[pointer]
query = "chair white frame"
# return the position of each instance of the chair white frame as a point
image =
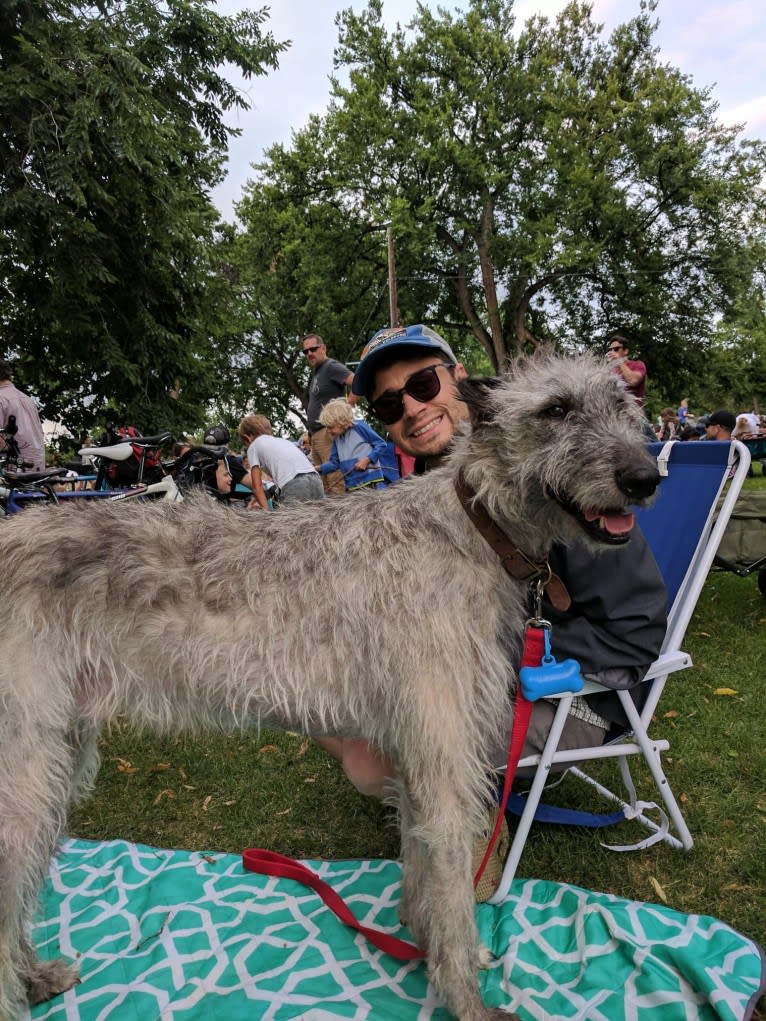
(636, 740)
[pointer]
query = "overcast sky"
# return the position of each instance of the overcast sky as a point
(720, 43)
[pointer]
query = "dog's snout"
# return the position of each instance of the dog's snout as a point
(638, 481)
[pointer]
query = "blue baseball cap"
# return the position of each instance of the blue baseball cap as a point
(395, 337)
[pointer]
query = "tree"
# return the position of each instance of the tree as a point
(113, 133)
(305, 261)
(311, 255)
(556, 185)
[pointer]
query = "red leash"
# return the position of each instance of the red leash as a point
(532, 654)
(269, 863)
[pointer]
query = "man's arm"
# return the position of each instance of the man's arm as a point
(351, 398)
(631, 376)
(618, 616)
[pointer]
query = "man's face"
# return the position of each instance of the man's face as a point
(616, 350)
(424, 430)
(713, 431)
(314, 351)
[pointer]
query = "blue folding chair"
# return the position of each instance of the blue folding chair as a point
(684, 526)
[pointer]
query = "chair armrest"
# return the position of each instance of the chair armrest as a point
(666, 663)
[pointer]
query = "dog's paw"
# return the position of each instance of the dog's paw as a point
(485, 957)
(49, 978)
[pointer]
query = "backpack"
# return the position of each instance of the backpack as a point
(125, 473)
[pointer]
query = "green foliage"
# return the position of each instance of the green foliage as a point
(113, 133)
(305, 261)
(548, 184)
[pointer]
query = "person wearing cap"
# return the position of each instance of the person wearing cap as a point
(720, 425)
(15, 403)
(618, 616)
(328, 380)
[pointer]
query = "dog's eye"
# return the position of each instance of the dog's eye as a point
(555, 411)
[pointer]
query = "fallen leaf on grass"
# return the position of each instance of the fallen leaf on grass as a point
(672, 714)
(206, 802)
(268, 748)
(125, 766)
(702, 634)
(160, 767)
(303, 748)
(658, 890)
(725, 691)
(182, 773)
(683, 798)
(168, 793)
(310, 779)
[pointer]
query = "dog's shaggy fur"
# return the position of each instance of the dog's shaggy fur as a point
(383, 616)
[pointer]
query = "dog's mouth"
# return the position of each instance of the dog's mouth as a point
(609, 525)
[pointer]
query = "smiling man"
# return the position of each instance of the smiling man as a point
(616, 622)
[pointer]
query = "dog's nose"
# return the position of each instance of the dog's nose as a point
(638, 481)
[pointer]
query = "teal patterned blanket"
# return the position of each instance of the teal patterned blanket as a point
(185, 936)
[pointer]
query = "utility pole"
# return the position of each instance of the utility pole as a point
(393, 305)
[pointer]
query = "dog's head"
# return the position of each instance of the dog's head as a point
(559, 442)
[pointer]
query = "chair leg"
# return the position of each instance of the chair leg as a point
(644, 820)
(652, 757)
(533, 800)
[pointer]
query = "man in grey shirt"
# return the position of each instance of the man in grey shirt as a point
(29, 437)
(329, 379)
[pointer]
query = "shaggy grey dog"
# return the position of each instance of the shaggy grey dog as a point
(384, 616)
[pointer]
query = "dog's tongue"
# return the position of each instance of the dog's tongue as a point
(615, 523)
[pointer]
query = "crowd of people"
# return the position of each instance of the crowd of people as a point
(720, 424)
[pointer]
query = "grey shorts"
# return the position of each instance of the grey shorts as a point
(577, 732)
(306, 486)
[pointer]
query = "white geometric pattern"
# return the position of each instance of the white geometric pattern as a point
(184, 936)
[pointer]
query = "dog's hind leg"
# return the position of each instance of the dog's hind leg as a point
(36, 765)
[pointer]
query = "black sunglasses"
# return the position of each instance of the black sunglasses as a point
(311, 350)
(618, 348)
(422, 385)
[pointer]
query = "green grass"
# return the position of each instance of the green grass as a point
(281, 791)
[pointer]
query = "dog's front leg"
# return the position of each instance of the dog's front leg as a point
(438, 894)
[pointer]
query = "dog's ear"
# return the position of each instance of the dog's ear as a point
(476, 392)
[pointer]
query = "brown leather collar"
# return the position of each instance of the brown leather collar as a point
(515, 561)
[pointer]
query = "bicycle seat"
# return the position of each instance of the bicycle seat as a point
(21, 478)
(115, 452)
(150, 441)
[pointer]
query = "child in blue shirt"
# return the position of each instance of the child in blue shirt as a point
(357, 449)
